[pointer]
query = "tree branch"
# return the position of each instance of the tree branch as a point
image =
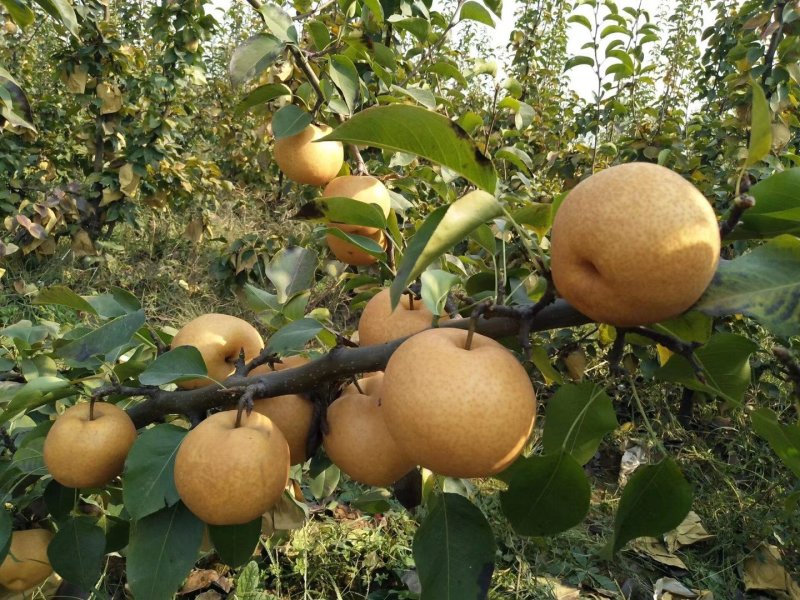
(339, 363)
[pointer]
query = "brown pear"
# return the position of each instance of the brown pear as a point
(458, 412)
(228, 475)
(633, 245)
(219, 338)
(379, 324)
(304, 160)
(363, 188)
(358, 441)
(26, 564)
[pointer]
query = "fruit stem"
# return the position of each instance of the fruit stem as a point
(473, 322)
(91, 408)
(358, 386)
(411, 302)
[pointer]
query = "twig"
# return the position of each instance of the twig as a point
(675, 345)
(740, 204)
(615, 354)
(339, 364)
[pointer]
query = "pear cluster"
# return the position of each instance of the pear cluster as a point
(634, 244)
(459, 409)
(305, 159)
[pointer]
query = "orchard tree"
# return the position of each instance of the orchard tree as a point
(482, 227)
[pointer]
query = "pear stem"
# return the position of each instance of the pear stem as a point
(91, 408)
(358, 386)
(411, 302)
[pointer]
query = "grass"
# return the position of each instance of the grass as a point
(739, 484)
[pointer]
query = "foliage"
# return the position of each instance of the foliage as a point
(167, 116)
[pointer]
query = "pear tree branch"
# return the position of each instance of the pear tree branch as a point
(338, 364)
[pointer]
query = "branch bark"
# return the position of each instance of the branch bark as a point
(340, 363)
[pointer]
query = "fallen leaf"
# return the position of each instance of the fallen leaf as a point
(209, 595)
(690, 531)
(657, 551)
(558, 590)
(668, 588)
(199, 579)
(82, 244)
(763, 570)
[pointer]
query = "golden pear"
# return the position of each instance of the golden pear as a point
(303, 160)
(633, 245)
(378, 324)
(80, 453)
(26, 564)
(358, 441)
(350, 253)
(363, 188)
(219, 338)
(228, 475)
(291, 413)
(458, 412)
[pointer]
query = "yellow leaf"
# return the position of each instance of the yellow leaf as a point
(111, 98)
(654, 549)
(664, 354)
(110, 196)
(2, 272)
(763, 571)
(606, 334)
(82, 244)
(128, 180)
(690, 531)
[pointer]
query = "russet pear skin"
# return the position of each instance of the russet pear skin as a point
(306, 161)
(358, 441)
(219, 338)
(291, 413)
(26, 564)
(80, 453)
(458, 412)
(634, 244)
(229, 475)
(363, 188)
(378, 324)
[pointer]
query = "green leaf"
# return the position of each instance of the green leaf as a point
(581, 20)
(578, 416)
(655, 500)
(293, 337)
(546, 495)
(102, 340)
(760, 126)
(61, 11)
(183, 362)
(516, 157)
(777, 208)
(343, 210)
(163, 548)
(436, 285)
(763, 284)
(252, 57)
(261, 95)
(344, 75)
(420, 95)
(324, 484)
(278, 22)
(726, 366)
(147, 482)
(29, 458)
(248, 584)
(289, 120)
(117, 303)
(416, 26)
(235, 543)
(63, 296)
(541, 361)
(60, 500)
(77, 550)
(578, 60)
(376, 9)
(292, 270)
(31, 395)
(475, 11)
(443, 228)
(366, 244)
(692, 326)
(454, 551)
(373, 502)
(405, 128)
(6, 527)
(449, 70)
(319, 34)
(19, 11)
(783, 439)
